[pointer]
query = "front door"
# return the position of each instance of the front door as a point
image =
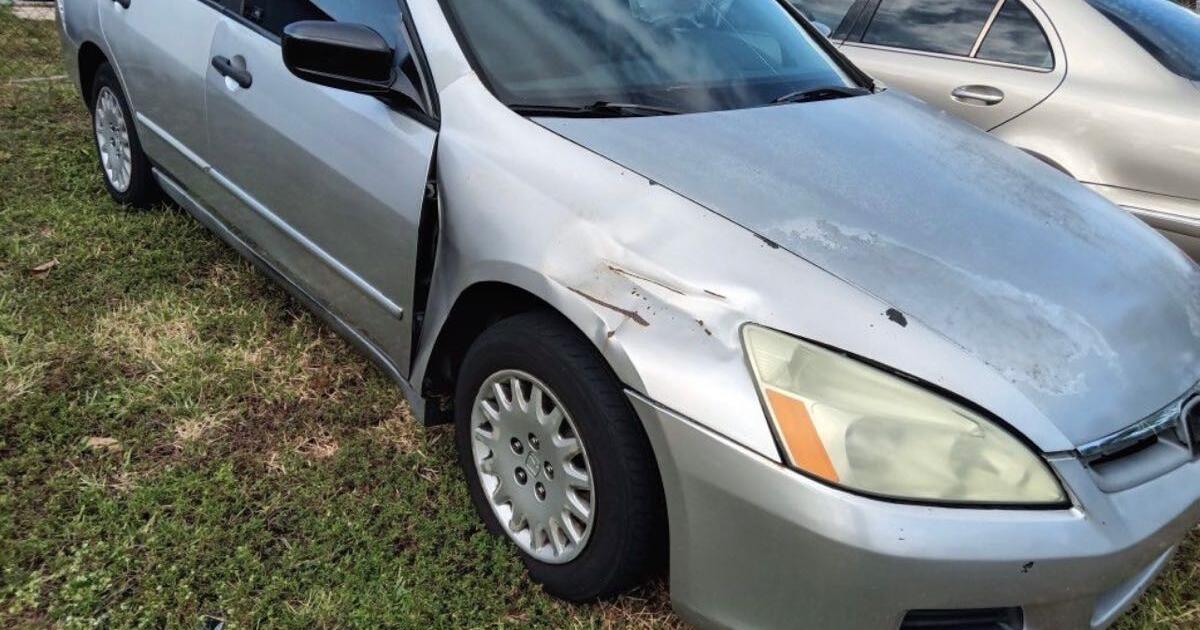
(327, 185)
(986, 61)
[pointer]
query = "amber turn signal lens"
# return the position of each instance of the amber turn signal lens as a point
(800, 437)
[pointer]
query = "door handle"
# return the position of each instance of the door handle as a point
(977, 95)
(124, 3)
(225, 68)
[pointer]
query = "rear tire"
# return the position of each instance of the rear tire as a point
(624, 539)
(123, 166)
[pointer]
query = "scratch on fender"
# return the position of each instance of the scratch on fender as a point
(633, 315)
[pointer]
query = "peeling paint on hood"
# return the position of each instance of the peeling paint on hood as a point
(1090, 313)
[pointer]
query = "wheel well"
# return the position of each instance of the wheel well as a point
(90, 60)
(477, 308)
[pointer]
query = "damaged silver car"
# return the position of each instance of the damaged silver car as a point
(693, 289)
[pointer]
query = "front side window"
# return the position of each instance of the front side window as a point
(679, 55)
(274, 15)
(939, 26)
(1015, 37)
(383, 16)
(1169, 32)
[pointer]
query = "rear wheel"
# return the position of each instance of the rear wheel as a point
(126, 170)
(556, 459)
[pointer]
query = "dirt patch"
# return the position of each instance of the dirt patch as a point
(37, 11)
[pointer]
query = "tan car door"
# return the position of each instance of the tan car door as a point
(986, 61)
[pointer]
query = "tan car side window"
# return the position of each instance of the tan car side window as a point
(1015, 37)
(939, 26)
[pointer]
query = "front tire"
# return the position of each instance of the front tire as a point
(125, 168)
(556, 460)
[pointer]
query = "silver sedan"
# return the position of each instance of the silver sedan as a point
(693, 289)
(1106, 91)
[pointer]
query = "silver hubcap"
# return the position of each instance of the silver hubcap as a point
(533, 466)
(112, 136)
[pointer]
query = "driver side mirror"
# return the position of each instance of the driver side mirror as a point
(345, 56)
(822, 28)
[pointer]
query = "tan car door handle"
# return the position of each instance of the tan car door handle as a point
(977, 95)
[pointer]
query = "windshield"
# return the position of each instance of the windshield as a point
(677, 55)
(1169, 32)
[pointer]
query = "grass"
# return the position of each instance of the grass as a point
(183, 444)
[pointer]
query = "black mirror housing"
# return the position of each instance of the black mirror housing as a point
(345, 56)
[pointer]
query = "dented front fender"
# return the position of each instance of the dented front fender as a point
(660, 284)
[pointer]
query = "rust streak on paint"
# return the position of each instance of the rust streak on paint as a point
(637, 276)
(633, 315)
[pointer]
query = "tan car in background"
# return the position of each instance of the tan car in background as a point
(1107, 91)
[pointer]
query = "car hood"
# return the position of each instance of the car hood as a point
(1091, 314)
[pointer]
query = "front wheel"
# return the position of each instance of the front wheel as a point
(125, 168)
(556, 459)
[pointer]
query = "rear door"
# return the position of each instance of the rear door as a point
(328, 185)
(986, 61)
(160, 49)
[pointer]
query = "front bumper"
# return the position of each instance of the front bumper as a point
(754, 544)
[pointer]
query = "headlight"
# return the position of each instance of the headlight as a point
(865, 429)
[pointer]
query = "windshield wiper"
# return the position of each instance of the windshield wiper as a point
(597, 109)
(823, 93)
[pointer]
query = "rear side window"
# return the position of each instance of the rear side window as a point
(827, 12)
(940, 26)
(1016, 37)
